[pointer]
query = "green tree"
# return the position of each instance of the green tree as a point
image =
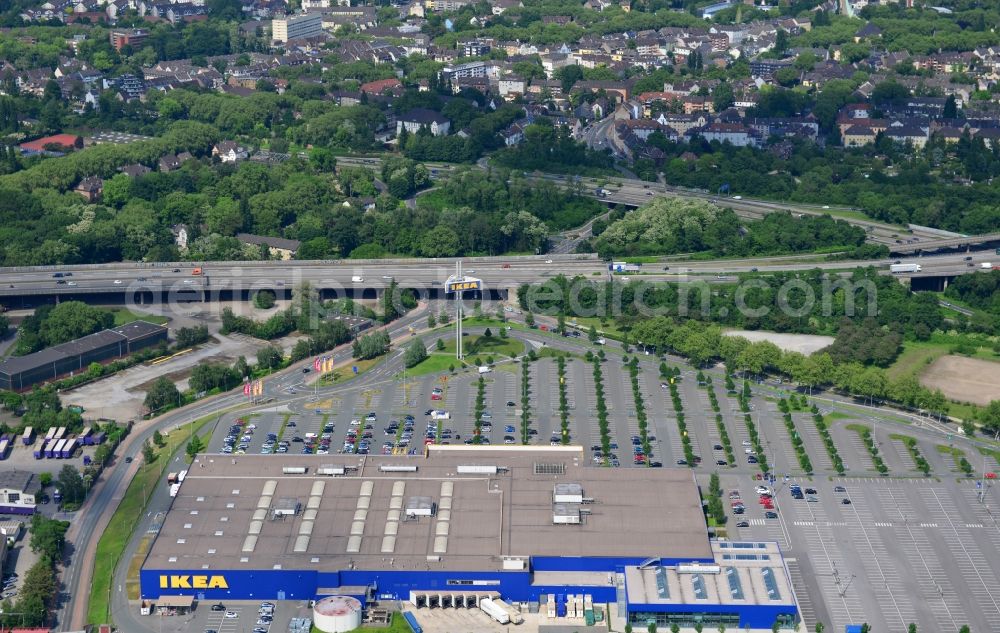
(529, 319)
(158, 438)
(45, 479)
(950, 108)
(37, 596)
(371, 345)
(48, 536)
(70, 484)
(162, 393)
(431, 321)
(439, 345)
(269, 357)
(148, 454)
(194, 446)
(415, 353)
(488, 333)
(781, 42)
(819, 627)
(912, 628)
(264, 299)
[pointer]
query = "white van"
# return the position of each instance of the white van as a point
(357, 279)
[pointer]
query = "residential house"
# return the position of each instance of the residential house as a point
(277, 247)
(418, 118)
(229, 152)
(90, 188)
(733, 133)
(857, 135)
(169, 162)
(182, 236)
(135, 170)
(511, 86)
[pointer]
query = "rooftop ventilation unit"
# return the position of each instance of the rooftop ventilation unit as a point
(472, 469)
(543, 468)
(419, 507)
(567, 493)
(397, 468)
(565, 514)
(695, 568)
(294, 470)
(286, 506)
(330, 470)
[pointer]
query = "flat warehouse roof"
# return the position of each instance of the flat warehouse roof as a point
(227, 513)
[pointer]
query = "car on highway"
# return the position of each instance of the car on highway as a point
(118, 282)
(548, 261)
(70, 283)
(61, 282)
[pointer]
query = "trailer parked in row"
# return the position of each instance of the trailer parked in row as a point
(28, 438)
(68, 449)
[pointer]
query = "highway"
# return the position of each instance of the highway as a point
(634, 192)
(497, 273)
(930, 266)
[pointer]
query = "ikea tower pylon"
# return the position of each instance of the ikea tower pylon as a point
(458, 284)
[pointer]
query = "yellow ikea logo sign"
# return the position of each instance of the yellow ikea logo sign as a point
(463, 285)
(193, 582)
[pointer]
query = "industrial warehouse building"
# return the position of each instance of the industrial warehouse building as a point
(22, 372)
(457, 525)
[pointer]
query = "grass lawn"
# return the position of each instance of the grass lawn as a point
(119, 529)
(858, 428)
(609, 329)
(478, 345)
(435, 363)
(917, 355)
(343, 373)
(124, 316)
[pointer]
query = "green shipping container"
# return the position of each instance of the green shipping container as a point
(588, 617)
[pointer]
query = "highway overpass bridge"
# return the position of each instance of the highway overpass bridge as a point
(144, 283)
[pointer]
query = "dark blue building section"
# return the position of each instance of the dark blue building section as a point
(388, 584)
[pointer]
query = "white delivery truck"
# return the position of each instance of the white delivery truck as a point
(484, 370)
(904, 268)
(357, 279)
(986, 265)
(494, 610)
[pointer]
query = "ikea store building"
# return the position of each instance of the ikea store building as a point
(457, 524)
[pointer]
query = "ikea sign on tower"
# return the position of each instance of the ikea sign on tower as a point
(193, 582)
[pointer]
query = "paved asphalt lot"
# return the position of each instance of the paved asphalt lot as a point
(906, 549)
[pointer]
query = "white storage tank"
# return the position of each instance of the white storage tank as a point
(337, 614)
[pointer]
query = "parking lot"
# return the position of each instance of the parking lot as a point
(203, 618)
(884, 551)
(906, 548)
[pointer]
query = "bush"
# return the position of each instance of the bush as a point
(264, 299)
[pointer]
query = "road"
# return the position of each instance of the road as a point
(930, 266)
(634, 192)
(499, 273)
(93, 517)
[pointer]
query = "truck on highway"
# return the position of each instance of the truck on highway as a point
(904, 268)
(171, 478)
(624, 267)
(986, 265)
(494, 610)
